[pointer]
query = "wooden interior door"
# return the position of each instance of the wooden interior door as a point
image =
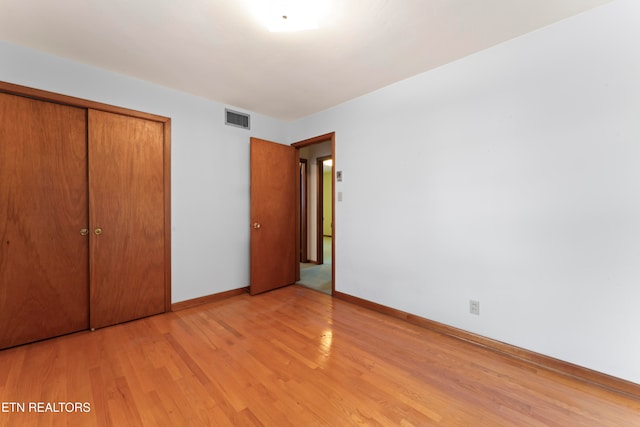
(43, 207)
(274, 215)
(126, 205)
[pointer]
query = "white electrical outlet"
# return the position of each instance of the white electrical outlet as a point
(474, 307)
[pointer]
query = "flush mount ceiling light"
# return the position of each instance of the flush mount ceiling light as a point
(290, 15)
(292, 22)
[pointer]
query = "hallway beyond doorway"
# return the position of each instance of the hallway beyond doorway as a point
(316, 276)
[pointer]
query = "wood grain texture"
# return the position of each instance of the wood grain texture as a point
(315, 140)
(126, 201)
(76, 102)
(70, 165)
(167, 212)
(292, 357)
(43, 206)
(274, 205)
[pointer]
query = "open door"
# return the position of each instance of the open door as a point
(274, 215)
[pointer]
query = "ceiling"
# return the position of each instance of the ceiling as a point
(218, 50)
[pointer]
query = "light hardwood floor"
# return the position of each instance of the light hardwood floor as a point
(291, 357)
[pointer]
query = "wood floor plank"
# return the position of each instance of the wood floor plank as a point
(290, 357)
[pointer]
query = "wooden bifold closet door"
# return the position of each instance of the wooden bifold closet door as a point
(126, 202)
(82, 219)
(43, 206)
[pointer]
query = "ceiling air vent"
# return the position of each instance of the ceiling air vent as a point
(233, 118)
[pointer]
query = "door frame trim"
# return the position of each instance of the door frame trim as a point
(331, 136)
(44, 95)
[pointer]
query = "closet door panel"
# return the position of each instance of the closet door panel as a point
(126, 205)
(43, 207)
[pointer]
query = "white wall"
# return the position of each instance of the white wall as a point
(511, 177)
(209, 162)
